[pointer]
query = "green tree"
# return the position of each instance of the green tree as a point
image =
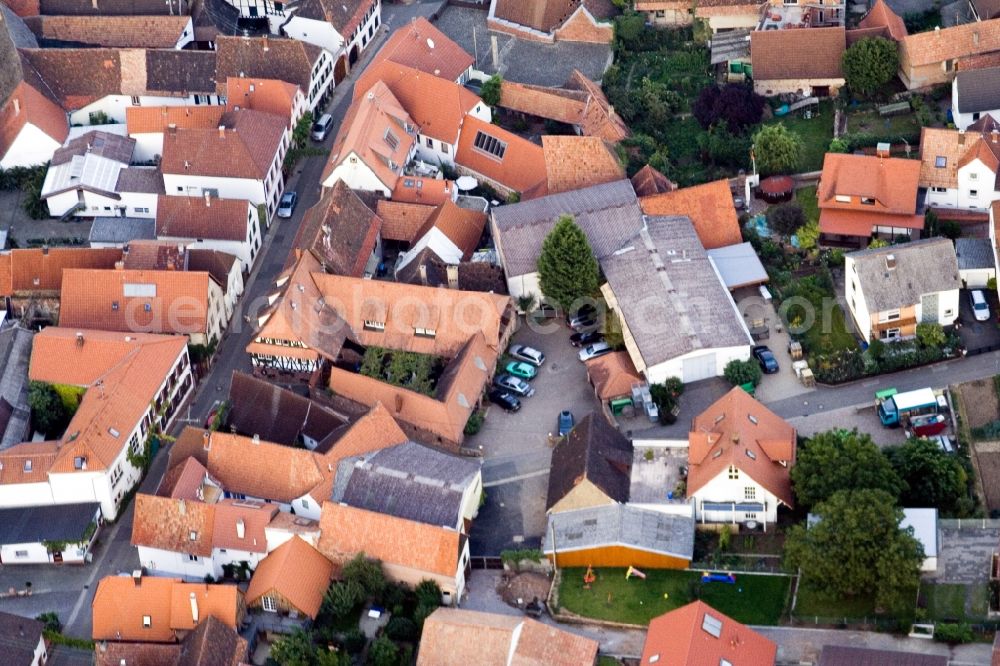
(428, 593)
(33, 204)
(300, 133)
(739, 372)
(778, 150)
(877, 243)
(383, 652)
(841, 460)
(567, 268)
(950, 229)
(856, 548)
(869, 64)
(47, 409)
(839, 145)
(930, 223)
(613, 334)
(933, 477)
(491, 90)
(931, 334)
(343, 597)
(808, 235)
(294, 650)
(786, 218)
(366, 573)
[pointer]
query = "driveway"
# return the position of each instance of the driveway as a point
(517, 448)
(978, 336)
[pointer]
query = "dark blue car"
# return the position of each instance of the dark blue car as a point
(565, 422)
(765, 357)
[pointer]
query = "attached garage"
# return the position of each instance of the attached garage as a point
(975, 262)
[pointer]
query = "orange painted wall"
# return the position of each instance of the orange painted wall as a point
(619, 556)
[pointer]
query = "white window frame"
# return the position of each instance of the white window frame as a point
(269, 604)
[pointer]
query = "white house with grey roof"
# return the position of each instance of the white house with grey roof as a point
(975, 93)
(892, 289)
(413, 482)
(678, 318)
(608, 214)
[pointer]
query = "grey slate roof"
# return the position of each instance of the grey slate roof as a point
(609, 215)
(620, 524)
(731, 45)
(594, 450)
(408, 481)
(15, 347)
(974, 253)
(843, 655)
(19, 636)
(922, 267)
(670, 295)
(103, 144)
(52, 522)
(121, 229)
(181, 72)
(140, 179)
(978, 89)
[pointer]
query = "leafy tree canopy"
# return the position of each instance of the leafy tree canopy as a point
(932, 477)
(869, 64)
(856, 548)
(841, 460)
(786, 218)
(48, 412)
(490, 92)
(735, 103)
(778, 149)
(567, 267)
(739, 372)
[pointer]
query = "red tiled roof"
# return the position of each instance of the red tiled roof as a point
(135, 32)
(890, 183)
(41, 270)
(710, 207)
(28, 106)
(576, 162)
(245, 148)
(264, 95)
(808, 53)
(157, 119)
(522, 166)
(422, 46)
(402, 221)
(881, 16)
(201, 217)
(297, 572)
(680, 638)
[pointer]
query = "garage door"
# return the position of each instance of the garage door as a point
(699, 367)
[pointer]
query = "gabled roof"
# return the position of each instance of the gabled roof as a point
(26, 105)
(77, 77)
(136, 300)
(710, 207)
(456, 637)
(121, 602)
(340, 230)
(344, 15)
(212, 643)
(402, 221)
(612, 375)
(647, 181)
(934, 46)
(812, 53)
(422, 46)
(436, 104)
(378, 131)
(254, 517)
(269, 57)
(158, 119)
(297, 572)
(275, 414)
(153, 32)
(244, 149)
(593, 451)
(346, 531)
(574, 162)
(51, 522)
(891, 181)
(519, 165)
(599, 117)
(408, 481)
(943, 151)
(112, 7)
(738, 431)
(462, 226)
(179, 526)
(615, 526)
(547, 15)
(219, 265)
(699, 635)
(202, 218)
(265, 95)
(882, 16)
(922, 267)
(41, 270)
(19, 638)
(112, 653)
(609, 215)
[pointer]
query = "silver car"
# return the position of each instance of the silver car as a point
(286, 206)
(595, 350)
(514, 385)
(527, 354)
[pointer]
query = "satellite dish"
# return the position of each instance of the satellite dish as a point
(430, 43)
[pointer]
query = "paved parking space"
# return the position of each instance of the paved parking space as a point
(978, 336)
(865, 419)
(965, 549)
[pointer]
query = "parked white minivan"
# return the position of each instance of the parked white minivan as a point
(322, 127)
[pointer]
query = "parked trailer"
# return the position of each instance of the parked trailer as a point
(894, 408)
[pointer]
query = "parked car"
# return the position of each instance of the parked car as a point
(980, 308)
(765, 357)
(586, 338)
(566, 422)
(212, 413)
(521, 369)
(528, 354)
(505, 400)
(584, 318)
(585, 325)
(286, 206)
(514, 385)
(321, 127)
(594, 350)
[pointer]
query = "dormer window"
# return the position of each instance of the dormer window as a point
(391, 139)
(147, 621)
(868, 201)
(424, 332)
(940, 162)
(192, 535)
(372, 325)
(27, 465)
(843, 198)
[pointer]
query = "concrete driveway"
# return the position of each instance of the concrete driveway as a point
(978, 336)
(517, 448)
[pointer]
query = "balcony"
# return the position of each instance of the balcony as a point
(806, 15)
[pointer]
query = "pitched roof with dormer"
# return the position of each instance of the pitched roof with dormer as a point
(737, 431)
(422, 46)
(340, 230)
(502, 156)
(699, 635)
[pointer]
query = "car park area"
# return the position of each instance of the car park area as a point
(978, 336)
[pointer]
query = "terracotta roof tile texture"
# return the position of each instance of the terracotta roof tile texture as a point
(710, 207)
(288, 60)
(435, 104)
(522, 166)
(158, 119)
(565, 106)
(254, 517)
(409, 46)
(678, 638)
(891, 182)
(168, 524)
(16, 459)
(341, 230)
(196, 217)
(266, 95)
(881, 16)
(77, 77)
(39, 270)
(541, 15)
(28, 106)
(346, 531)
(462, 226)
(112, 653)
(926, 48)
(296, 571)
(812, 53)
(612, 375)
(103, 299)
(575, 162)
(152, 32)
(647, 181)
(726, 428)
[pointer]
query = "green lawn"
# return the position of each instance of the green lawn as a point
(806, 197)
(815, 132)
(812, 603)
(752, 600)
(870, 122)
(834, 337)
(947, 601)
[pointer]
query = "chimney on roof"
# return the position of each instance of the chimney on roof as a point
(994, 134)
(187, 165)
(961, 137)
(241, 528)
(206, 440)
(93, 3)
(137, 577)
(120, 663)
(937, 30)
(194, 608)
(208, 199)
(119, 265)
(890, 262)
(256, 439)
(452, 272)
(181, 507)
(222, 131)
(79, 339)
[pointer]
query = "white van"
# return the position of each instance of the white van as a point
(322, 127)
